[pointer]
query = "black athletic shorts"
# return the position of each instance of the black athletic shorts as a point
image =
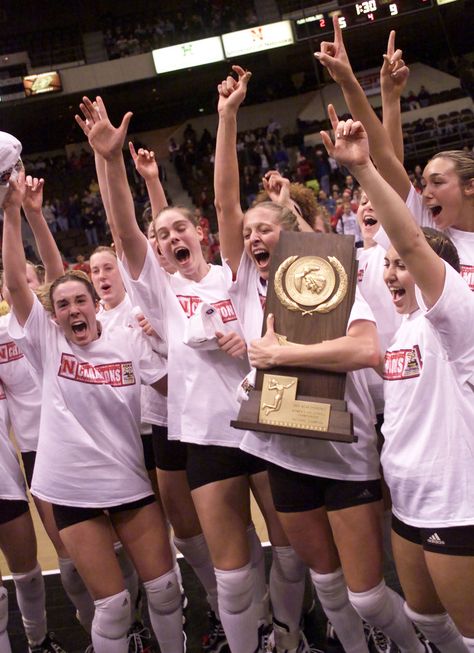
(29, 459)
(209, 463)
(65, 516)
(453, 540)
(11, 509)
(170, 455)
(147, 442)
(296, 492)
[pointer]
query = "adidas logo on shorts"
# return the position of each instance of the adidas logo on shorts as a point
(366, 494)
(435, 539)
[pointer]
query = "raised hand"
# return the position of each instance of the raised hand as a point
(16, 192)
(351, 145)
(232, 91)
(394, 72)
(103, 137)
(33, 199)
(144, 161)
(277, 187)
(262, 351)
(333, 56)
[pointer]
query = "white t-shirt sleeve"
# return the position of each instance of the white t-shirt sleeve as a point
(33, 336)
(152, 366)
(360, 310)
(420, 213)
(453, 316)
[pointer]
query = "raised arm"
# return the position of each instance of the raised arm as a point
(278, 189)
(333, 56)
(108, 141)
(354, 351)
(47, 248)
(147, 167)
(226, 168)
(393, 79)
(13, 254)
(104, 193)
(351, 149)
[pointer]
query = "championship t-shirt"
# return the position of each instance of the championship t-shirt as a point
(12, 482)
(428, 454)
(201, 382)
(22, 388)
(89, 451)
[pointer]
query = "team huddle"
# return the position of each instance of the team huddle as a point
(121, 387)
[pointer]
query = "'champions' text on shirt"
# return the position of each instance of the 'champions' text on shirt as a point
(114, 374)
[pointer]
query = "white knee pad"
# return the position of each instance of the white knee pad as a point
(438, 628)
(235, 589)
(112, 616)
(3, 609)
(331, 588)
(163, 593)
(288, 565)
(368, 604)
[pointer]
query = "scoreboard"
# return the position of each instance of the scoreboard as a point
(356, 14)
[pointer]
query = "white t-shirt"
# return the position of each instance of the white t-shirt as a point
(201, 383)
(428, 454)
(357, 461)
(153, 404)
(463, 240)
(12, 482)
(89, 451)
(22, 388)
(376, 294)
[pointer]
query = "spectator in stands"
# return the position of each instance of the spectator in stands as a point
(412, 100)
(322, 170)
(50, 216)
(424, 97)
(82, 264)
(328, 203)
(347, 224)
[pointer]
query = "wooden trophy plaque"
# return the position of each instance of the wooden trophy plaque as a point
(311, 290)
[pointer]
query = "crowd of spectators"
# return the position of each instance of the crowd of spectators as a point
(136, 34)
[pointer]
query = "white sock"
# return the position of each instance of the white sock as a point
(175, 559)
(332, 593)
(77, 592)
(438, 629)
(166, 616)
(4, 641)
(287, 585)
(383, 608)
(236, 608)
(111, 623)
(196, 553)
(30, 596)
(130, 576)
(257, 560)
(469, 642)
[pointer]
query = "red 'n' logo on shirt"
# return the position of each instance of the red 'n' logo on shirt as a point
(402, 364)
(225, 307)
(9, 352)
(115, 374)
(467, 273)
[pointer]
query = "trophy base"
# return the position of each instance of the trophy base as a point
(339, 428)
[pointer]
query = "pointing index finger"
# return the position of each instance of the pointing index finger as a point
(333, 116)
(391, 45)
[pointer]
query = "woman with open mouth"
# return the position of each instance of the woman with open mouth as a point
(324, 493)
(427, 455)
(447, 201)
(192, 311)
(89, 463)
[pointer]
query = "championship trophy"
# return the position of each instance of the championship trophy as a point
(311, 290)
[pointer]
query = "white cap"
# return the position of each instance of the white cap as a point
(201, 328)
(10, 162)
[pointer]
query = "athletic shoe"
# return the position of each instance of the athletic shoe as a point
(49, 645)
(184, 604)
(378, 642)
(215, 640)
(427, 645)
(333, 643)
(305, 647)
(139, 638)
(266, 638)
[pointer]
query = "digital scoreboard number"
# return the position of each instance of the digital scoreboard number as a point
(356, 14)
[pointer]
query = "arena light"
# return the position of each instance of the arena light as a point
(188, 55)
(257, 39)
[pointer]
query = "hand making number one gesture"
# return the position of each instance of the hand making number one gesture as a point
(351, 146)
(232, 91)
(103, 137)
(333, 56)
